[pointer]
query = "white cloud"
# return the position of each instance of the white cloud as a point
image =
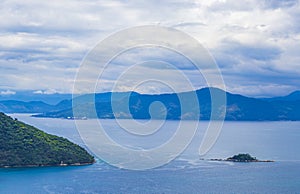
(255, 42)
(7, 93)
(49, 91)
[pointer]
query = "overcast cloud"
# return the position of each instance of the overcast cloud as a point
(256, 43)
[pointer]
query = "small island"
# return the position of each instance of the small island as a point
(242, 158)
(22, 145)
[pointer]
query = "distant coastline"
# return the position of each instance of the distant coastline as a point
(99, 105)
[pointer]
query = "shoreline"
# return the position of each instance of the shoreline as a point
(232, 160)
(46, 165)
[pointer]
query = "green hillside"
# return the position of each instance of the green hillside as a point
(22, 145)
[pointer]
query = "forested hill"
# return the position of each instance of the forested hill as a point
(22, 145)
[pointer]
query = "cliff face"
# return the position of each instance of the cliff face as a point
(22, 145)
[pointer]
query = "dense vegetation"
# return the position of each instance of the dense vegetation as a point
(24, 145)
(242, 158)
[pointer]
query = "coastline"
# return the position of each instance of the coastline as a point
(46, 165)
(231, 160)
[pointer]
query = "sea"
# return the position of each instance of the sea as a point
(189, 172)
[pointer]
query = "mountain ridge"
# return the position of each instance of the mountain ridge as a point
(239, 107)
(293, 96)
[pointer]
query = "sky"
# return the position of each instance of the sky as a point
(255, 43)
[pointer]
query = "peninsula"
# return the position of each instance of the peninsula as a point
(22, 145)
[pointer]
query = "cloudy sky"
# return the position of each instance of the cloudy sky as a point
(255, 43)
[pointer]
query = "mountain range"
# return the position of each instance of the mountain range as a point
(30, 95)
(139, 106)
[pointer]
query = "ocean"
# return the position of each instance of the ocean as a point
(187, 173)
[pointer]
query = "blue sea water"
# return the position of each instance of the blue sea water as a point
(277, 141)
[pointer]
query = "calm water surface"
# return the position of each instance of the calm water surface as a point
(279, 141)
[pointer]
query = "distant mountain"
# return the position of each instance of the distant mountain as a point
(238, 107)
(14, 106)
(23, 145)
(294, 96)
(28, 96)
